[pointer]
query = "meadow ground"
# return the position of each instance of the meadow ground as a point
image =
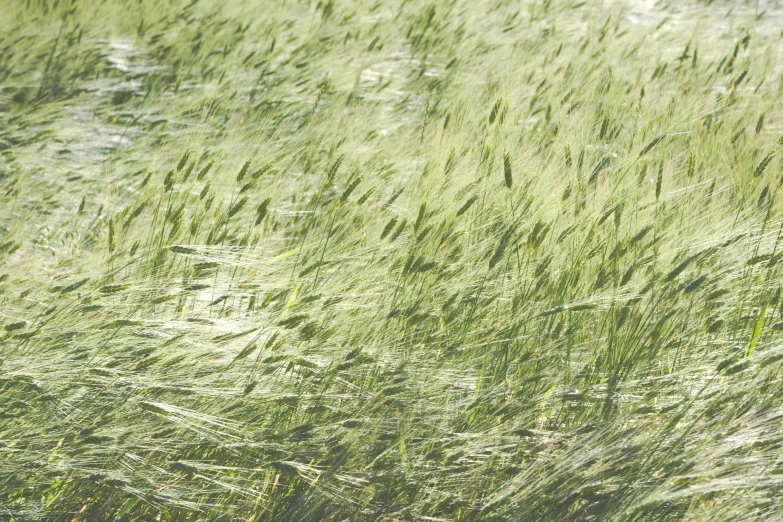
(390, 260)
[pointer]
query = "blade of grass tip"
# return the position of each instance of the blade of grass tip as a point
(691, 164)
(764, 163)
(507, 169)
(651, 145)
(754, 339)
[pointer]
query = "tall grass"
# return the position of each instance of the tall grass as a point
(390, 260)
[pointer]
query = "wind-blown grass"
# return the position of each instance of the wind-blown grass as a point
(390, 261)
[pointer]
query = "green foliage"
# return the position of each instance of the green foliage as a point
(392, 260)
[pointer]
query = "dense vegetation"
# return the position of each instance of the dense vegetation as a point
(390, 260)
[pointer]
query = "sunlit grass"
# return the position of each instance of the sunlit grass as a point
(390, 261)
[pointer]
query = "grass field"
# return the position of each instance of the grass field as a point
(390, 260)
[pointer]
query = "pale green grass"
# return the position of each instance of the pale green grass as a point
(390, 261)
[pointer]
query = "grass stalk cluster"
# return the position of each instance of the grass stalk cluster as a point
(390, 260)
